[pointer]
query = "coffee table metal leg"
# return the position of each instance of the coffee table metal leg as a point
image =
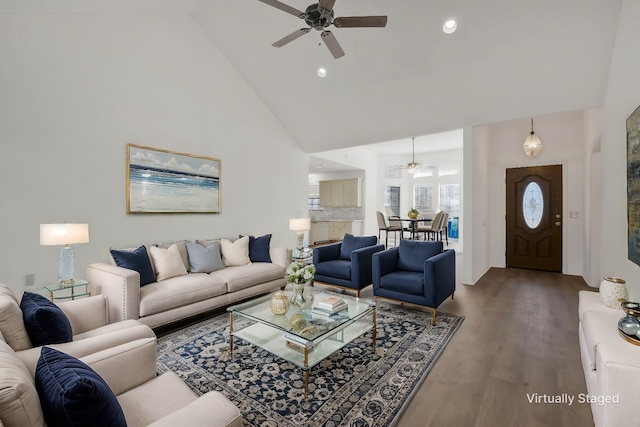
(306, 372)
(231, 333)
(373, 332)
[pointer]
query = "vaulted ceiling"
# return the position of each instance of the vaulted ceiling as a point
(508, 59)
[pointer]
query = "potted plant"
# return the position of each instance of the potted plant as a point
(413, 213)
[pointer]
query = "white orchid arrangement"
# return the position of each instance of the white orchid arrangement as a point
(300, 273)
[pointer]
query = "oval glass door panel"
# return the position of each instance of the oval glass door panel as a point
(532, 205)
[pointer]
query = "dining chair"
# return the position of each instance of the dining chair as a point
(388, 228)
(428, 229)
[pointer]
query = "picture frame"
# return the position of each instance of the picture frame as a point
(633, 186)
(164, 181)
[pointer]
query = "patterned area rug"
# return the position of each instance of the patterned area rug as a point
(353, 387)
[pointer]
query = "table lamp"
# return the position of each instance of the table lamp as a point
(300, 225)
(65, 235)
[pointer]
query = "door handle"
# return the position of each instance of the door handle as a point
(558, 223)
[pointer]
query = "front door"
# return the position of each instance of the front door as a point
(534, 218)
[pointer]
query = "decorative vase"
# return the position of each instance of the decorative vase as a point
(413, 214)
(611, 290)
(279, 303)
(299, 298)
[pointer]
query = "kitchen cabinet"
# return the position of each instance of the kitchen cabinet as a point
(325, 231)
(337, 229)
(341, 193)
(319, 232)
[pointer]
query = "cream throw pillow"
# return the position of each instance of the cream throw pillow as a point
(235, 253)
(168, 262)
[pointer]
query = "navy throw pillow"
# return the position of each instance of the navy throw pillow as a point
(412, 254)
(44, 321)
(137, 260)
(350, 243)
(259, 248)
(73, 394)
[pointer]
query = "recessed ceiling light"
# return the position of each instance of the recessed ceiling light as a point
(321, 72)
(449, 26)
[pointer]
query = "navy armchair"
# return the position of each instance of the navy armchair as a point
(346, 264)
(416, 272)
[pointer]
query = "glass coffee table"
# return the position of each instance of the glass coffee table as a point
(303, 337)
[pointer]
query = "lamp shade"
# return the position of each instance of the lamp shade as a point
(532, 145)
(299, 224)
(64, 234)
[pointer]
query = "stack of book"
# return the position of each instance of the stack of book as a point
(330, 305)
(297, 343)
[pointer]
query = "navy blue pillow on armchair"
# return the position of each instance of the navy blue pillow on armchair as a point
(44, 321)
(73, 394)
(350, 243)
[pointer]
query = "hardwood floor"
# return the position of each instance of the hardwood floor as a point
(519, 337)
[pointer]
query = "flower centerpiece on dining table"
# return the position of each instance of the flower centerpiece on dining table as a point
(300, 275)
(413, 214)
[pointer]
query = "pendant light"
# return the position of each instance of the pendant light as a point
(413, 166)
(532, 145)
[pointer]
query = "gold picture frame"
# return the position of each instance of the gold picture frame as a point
(164, 181)
(633, 186)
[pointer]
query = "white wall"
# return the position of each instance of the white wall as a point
(75, 89)
(476, 228)
(563, 136)
(622, 98)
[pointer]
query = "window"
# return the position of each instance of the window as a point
(423, 198)
(532, 204)
(450, 198)
(392, 200)
(314, 204)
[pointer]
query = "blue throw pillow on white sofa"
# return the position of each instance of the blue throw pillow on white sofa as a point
(44, 321)
(204, 259)
(73, 394)
(137, 260)
(259, 248)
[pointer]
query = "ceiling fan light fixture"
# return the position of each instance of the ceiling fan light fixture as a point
(413, 166)
(450, 26)
(532, 145)
(321, 72)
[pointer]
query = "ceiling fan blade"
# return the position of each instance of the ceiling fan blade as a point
(291, 37)
(284, 7)
(327, 4)
(332, 44)
(360, 21)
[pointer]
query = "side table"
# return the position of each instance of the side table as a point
(71, 293)
(305, 256)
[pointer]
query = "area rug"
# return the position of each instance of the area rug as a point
(354, 387)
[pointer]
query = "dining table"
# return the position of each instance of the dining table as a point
(413, 225)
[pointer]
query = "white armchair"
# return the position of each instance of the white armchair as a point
(130, 371)
(92, 331)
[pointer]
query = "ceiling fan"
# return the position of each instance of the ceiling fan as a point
(413, 166)
(320, 16)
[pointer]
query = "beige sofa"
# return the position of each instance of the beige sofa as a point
(130, 372)
(176, 298)
(122, 353)
(611, 364)
(92, 331)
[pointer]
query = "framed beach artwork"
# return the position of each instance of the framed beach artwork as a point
(162, 181)
(633, 185)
